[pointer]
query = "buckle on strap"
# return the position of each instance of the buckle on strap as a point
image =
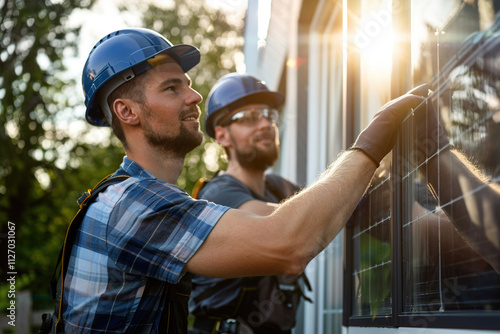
(83, 197)
(216, 326)
(228, 326)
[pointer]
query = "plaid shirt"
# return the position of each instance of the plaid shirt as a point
(138, 229)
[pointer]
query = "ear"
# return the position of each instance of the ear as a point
(222, 136)
(125, 111)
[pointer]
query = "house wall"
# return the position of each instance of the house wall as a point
(338, 62)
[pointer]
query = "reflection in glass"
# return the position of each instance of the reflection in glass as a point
(371, 242)
(372, 221)
(451, 239)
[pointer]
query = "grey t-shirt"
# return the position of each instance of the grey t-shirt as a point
(240, 297)
(229, 191)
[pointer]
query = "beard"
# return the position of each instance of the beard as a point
(180, 145)
(255, 158)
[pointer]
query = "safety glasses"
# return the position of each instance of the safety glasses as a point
(253, 116)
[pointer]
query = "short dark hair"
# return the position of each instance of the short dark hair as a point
(133, 89)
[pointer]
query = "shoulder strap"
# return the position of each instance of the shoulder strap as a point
(280, 187)
(202, 181)
(198, 186)
(57, 280)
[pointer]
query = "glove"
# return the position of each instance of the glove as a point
(378, 138)
(430, 135)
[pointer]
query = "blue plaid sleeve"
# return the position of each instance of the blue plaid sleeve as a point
(155, 228)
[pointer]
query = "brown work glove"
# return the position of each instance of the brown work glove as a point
(431, 136)
(378, 138)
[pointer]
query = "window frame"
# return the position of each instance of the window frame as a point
(401, 81)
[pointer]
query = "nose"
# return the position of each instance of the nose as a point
(264, 122)
(194, 97)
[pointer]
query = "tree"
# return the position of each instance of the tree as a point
(220, 43)
(41, 166)
(44, 167)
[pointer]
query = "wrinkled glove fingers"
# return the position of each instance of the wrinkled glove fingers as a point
(378, 138)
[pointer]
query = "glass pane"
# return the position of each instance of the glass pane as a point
(372, 220)
(371, 242)
(451, 238)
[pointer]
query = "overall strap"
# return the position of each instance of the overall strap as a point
(57, 280)
(202, 181)
(280, 187)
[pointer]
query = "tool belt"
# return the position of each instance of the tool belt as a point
(214, 326)
(228, 326)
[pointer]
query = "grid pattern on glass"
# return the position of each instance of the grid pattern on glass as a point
(371, 249)
(450, 238)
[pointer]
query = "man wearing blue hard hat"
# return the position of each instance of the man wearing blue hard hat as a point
(128, 271)
(242, 115)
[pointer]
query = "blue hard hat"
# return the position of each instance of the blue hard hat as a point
(233, 91)
(120, 56)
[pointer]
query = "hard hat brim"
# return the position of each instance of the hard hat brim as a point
(187, 56)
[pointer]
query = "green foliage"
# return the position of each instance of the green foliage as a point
(44, 166)
(374, 289)
(37, 184)
(220, 42)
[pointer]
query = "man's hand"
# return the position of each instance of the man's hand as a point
(378, 138)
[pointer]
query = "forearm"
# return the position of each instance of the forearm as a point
(245, 244)
(286, 240)
(305, 220)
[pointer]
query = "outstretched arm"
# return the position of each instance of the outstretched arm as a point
(285, 241)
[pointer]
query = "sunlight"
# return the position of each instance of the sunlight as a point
(264, 15)
(211, 157)
(374, 42)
